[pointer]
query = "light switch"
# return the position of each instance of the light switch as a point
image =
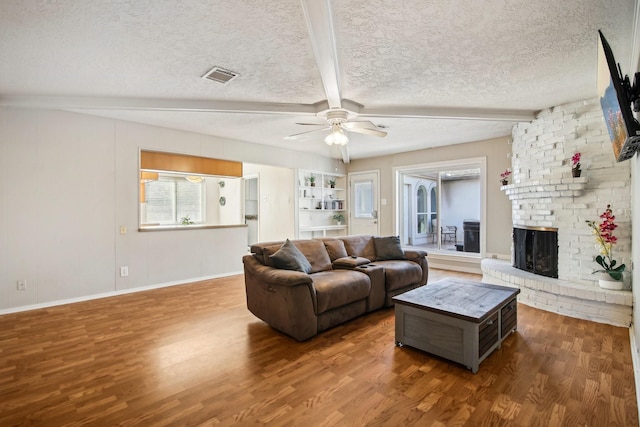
(383, 202)
(123, 229)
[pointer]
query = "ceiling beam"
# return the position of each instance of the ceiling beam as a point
(157, 104)
(317, 14)
(344, 151)
(486, 114)
(165, 104)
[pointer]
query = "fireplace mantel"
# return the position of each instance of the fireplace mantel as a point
(556, 188)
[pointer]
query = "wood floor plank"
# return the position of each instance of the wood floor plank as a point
(194, 355)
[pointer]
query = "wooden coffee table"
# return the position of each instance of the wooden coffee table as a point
(459, 320)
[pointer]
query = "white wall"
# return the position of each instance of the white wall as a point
(69, 181)
(496, 151)
(635, 278)
(231, 211)
(460, 201)
(276, 205)
(635, 219)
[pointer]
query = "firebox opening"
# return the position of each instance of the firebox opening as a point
(536, 250)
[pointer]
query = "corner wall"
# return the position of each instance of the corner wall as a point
(544, 194)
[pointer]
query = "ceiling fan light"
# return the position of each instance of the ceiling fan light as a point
(336, 137)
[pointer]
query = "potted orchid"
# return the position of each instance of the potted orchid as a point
(603, 232)
(504, 177)
(575, 165)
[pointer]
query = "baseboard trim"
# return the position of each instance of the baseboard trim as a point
(112, 293)
(460, 268)
(635, 360)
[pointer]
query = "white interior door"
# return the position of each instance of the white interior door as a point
(363, 203)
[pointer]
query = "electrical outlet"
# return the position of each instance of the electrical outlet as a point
(22, 285)
(124, 271)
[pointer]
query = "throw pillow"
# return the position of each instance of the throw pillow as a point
(335, 248)
(388, 248)
(288, 257)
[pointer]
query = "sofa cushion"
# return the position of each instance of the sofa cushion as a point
(400, 274)
(335, 249)
(313, 250)
(339, 287)
(316, 253)
(388, 248)
(289, 257)
(360, 245)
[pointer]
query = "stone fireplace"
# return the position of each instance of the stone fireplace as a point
(545, 196)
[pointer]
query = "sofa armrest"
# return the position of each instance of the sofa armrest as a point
(350, 262)
(414, 254)
(284, 299)
(419, 257)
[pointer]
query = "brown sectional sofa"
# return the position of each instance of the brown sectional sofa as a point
(345, 277)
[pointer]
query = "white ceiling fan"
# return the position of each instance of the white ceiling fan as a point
(338, 121)
(319, 21)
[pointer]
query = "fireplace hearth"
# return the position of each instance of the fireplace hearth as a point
(536, 250)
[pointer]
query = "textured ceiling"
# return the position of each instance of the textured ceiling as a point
(401, 60)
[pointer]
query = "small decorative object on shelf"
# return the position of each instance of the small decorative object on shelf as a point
(339, 218)
(186, 220)
(504, 177)
(312, 181)
(611, 273)
(575, 165)
(332, 183)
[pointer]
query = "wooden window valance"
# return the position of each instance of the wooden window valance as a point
(159, 161)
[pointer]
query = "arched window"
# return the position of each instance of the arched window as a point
(422, 210)
(433, 208)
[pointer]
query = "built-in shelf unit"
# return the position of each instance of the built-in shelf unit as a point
(318, 202)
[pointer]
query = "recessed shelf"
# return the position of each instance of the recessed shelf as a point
(321, 202)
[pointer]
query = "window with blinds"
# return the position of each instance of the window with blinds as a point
(173, 200)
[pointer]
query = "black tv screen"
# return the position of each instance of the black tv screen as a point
(624, 130)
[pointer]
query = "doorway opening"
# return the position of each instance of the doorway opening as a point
(441, 206)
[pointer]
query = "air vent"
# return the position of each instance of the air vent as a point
(219, 75)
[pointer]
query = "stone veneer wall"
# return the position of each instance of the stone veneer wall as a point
(544, 194)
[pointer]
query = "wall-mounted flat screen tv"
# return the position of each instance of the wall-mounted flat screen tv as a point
(614, 92)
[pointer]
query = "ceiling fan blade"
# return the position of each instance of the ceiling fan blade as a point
(312, 124)
(297, 135)
(368, 131)
(361, 124)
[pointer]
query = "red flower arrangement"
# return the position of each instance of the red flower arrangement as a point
(605, 239)
(504, 175)
(575, 161)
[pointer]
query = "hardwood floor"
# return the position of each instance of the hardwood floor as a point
(194, 355)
